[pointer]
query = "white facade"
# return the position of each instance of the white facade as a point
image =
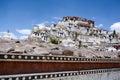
(111, 49)
(68, 42)
(7, 35)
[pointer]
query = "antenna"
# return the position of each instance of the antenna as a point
(8, 31)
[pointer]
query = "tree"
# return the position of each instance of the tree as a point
(54, 40)
(75, 35)
(80, 44)
(91, 33)
(115, 35)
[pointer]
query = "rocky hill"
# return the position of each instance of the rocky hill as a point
(29, 47)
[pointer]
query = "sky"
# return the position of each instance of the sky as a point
(20, 16)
